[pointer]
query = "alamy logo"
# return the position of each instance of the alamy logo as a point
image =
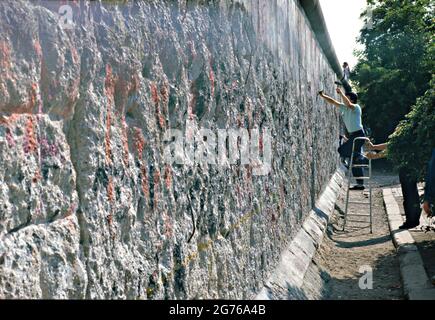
(222, 148)
(366, 280)
(65, 17)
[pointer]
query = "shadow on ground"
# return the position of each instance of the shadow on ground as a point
(427, 252)
(384, 270)
(348, 260)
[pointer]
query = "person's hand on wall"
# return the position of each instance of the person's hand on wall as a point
(339, 91)
(344, 138)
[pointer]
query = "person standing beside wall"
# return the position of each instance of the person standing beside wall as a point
(429, 190)
(408, 183)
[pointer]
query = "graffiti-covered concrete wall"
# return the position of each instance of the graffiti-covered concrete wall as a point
(157, 149)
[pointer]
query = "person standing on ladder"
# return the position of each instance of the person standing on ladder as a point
(351, 115)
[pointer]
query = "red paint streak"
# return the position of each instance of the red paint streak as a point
(109, 88)
(140, 146)
(260, 143)
(74, 55)
(164, 92)
(156, 186)
(154, 93)
(156, 100)
(30, 141)
(168, 177)
(139, 142)
(110, 194)
(162, 121)
(5, 55)
(33, 96)
(38, 49)
(212, 80)
(168, 225)
(144, 181)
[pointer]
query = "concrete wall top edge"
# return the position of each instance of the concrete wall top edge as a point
(315, 16)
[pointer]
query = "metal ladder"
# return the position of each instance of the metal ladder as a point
(367, 178)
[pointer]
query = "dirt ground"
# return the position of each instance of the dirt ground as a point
(343, 253)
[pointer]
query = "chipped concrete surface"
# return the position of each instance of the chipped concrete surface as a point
(88, 206)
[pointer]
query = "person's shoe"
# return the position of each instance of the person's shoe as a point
(357, 187)
(338, 83)
(407, 226)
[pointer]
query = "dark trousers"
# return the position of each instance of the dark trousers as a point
(345, 151)
(411, 199)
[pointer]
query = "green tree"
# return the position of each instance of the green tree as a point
(397, 61)
(411, 144)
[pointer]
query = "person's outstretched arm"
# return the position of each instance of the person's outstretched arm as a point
(329, 99)
(374, 156)
(378, 147)
(346, 100)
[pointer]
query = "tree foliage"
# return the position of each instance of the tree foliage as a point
(411, 144)
(397, 62)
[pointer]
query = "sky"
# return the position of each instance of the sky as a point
(344, 24)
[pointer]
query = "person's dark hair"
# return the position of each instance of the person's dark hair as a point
(345, 64)
(353, 97)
